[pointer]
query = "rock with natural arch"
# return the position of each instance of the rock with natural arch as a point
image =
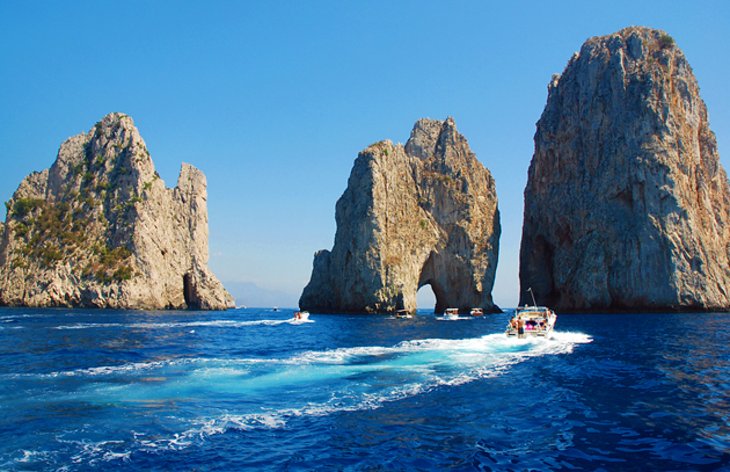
(414, 215)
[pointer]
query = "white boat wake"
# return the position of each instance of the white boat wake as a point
(268, 393)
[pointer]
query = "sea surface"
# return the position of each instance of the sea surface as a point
(253, 389)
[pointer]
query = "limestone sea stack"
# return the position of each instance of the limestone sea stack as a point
(421, 214)
(627, 206)
(100, 229)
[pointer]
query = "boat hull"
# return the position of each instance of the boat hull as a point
(532, 334)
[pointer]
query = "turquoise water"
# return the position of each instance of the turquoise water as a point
(254, 389)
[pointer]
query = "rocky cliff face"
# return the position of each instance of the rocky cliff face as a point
(626, 206)
(100, 229)
(421, 214)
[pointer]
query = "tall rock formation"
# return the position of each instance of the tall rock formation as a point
(627, 206)
(421, 214)
(100, 229)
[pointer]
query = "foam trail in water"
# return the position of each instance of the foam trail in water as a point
(469, 350)
(323, 382)
(269, 393)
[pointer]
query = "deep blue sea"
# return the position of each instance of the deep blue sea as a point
(251, 389)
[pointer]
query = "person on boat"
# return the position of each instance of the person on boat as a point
(520, 328)
(298, 315)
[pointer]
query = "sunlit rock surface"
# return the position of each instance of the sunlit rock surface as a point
(627, 206)
(100, 229)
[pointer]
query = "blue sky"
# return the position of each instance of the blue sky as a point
(273, 100)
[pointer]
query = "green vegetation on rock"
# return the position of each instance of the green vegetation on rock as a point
(24, 206)
(51, 232)
(666, 41)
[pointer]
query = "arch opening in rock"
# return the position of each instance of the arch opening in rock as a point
(438, 296)
(425, 298)
(430, 277)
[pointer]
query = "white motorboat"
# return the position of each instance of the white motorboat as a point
(301, 316)
(451, 314)
(532, 321)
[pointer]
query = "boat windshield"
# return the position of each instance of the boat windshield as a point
(533, 309)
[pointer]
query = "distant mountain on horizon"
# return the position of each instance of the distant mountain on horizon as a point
(250, 294)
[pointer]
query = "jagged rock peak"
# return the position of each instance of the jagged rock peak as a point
(627, 206)
(100, 229)
(423, 213)
(424, 135)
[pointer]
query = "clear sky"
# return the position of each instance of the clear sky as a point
(274, 99)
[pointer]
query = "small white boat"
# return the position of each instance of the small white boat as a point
(451, 314)
(532, 321)
(476, 312)
(403, 314)
(301, 316)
